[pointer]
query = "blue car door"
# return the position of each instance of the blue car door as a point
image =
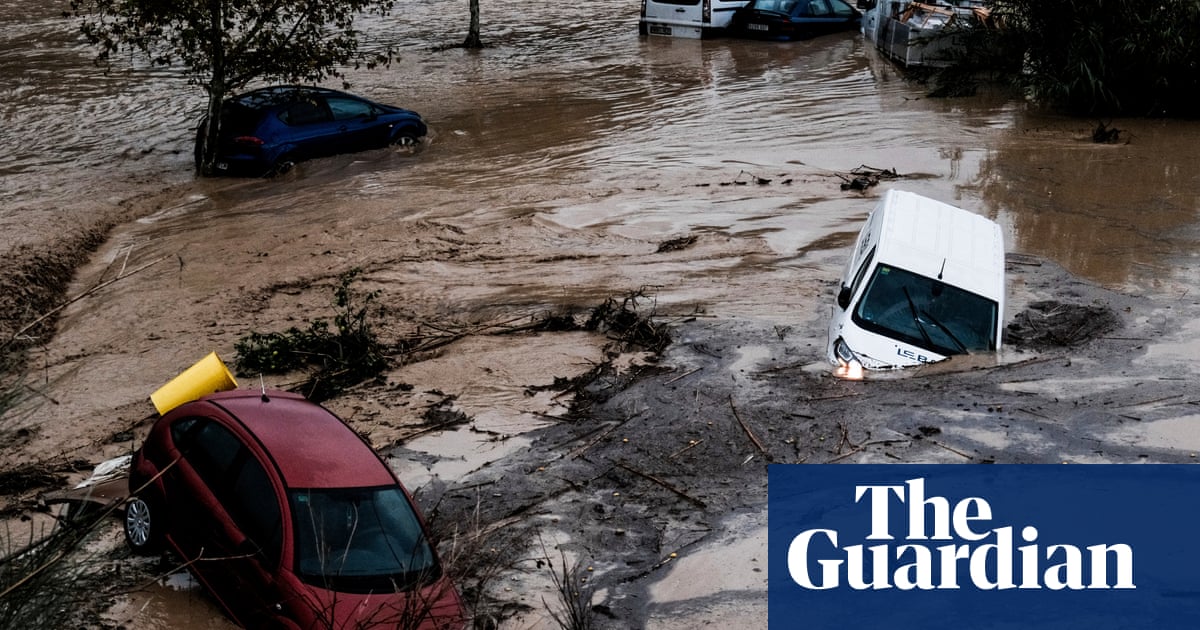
(358, 124)
(310, 129)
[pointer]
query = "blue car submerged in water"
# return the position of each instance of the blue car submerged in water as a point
(269, 130)
(793, 19)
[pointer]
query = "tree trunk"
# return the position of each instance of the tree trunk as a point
(209, 133)
(473, 40)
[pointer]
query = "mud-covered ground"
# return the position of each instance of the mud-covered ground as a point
(664, 479)
(649, 469)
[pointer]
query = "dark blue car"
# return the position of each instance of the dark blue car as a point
(269, 130)
(793, 19)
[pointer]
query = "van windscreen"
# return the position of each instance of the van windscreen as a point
(926, 312)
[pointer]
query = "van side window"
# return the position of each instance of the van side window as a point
(862, 271)
(684, 2)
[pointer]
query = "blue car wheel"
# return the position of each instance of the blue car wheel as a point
(405, 139)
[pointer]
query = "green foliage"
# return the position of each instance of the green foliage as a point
(336, 356)
(224, 45)
(1115, 57)
(240, 40)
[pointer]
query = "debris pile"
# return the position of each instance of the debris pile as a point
(864, 177)
(1050, 323)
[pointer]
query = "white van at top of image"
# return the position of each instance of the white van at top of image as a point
(687, 18)
(925, 281)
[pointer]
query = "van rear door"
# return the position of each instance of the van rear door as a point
(676, 18)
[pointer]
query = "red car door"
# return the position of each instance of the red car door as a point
(214, 493)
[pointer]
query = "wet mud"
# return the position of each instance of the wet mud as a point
(569, 168)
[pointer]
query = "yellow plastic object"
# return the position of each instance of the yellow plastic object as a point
(206, 376)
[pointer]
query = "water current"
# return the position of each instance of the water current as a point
(582, 102)
(571, 120)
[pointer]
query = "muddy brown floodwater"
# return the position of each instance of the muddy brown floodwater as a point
(560, 158)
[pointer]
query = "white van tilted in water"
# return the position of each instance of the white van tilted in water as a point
(687, 18)
(925, 281)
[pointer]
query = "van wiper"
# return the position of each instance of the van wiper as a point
(933, 320)
(916, 318)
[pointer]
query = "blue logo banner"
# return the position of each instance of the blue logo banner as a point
(1019, 547)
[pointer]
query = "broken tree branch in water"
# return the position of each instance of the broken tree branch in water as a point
(864, 177)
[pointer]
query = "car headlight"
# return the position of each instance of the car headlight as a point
(849, 367)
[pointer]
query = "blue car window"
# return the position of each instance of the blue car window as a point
(819, 8)
(304, 112)
(348, 108)
(841, 9)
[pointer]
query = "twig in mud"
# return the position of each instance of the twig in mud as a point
(780, 368)
(428, 429)
(685, 374)
(1033, 361)
(845, 455)
(596, 440)
(662, 483)
(844, 439)
(691, 445)
(952, 450)
(837, 397)
(753, 438)
(1034, 413)
(75, 299)
(1150, 402)
(40, 393)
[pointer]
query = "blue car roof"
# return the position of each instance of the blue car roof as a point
(278, 94)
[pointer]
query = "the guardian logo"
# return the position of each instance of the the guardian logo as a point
(948, 546)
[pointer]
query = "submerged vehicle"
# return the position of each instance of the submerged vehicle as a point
(793, 19)
(287, 517)
(691, 19)
(268, 130)
(925, 281)
(919, 33)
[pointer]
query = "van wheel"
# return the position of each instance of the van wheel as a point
(143, 526)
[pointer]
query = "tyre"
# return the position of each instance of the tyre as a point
(284, 165)
(143, 526)
(405, 139)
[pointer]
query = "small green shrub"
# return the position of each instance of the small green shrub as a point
(335, 355)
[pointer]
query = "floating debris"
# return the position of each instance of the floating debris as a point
(738, 181)
(864, 177)
(1103, 134)
(675, 244)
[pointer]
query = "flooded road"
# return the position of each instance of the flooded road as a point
(593, 127)
(559, 159)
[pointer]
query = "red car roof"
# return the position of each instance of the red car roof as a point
(312, 447)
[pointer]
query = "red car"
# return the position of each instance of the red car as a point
(287, 516)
